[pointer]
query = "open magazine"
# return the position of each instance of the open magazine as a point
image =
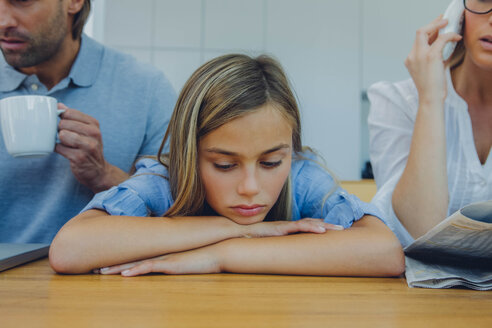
(456, 252)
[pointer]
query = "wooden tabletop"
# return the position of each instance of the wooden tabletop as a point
(364, 189)
(34, 296)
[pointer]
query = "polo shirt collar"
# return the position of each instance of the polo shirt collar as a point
(86, 67)
(83, 73)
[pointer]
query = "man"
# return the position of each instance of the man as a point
(109, 99)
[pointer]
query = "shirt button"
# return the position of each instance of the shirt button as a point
(34, 86)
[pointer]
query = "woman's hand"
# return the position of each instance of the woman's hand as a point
(198, 261)
(425, 62)
(282, 228)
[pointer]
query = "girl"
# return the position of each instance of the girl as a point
(431, 136)
(230, 194)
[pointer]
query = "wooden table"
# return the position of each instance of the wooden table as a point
(34, 296)
(364, 189)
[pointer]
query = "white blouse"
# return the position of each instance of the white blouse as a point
(391, 120)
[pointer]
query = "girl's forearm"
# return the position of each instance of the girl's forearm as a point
(94, 239)
(420, 199)
(369, 248)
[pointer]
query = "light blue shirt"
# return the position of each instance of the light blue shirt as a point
(148, 193)
(132, 102)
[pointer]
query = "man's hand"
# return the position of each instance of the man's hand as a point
(81, 143)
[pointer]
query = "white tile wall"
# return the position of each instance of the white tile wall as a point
(178, 23)
(234, 24)
(389, 28)
(319, 47)
(331, 50)
(129, 23)
(177, 65)
(210, 54)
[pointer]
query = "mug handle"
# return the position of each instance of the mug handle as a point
(58, 113)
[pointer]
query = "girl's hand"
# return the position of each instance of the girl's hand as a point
(197, 261)
(282, 228)
(425, 62)
(205, 260)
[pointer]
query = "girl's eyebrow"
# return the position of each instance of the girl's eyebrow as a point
(230, 153)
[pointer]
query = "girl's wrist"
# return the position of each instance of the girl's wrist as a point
(219, 252)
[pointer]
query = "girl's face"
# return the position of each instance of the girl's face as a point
(244, 164)
(478, 38)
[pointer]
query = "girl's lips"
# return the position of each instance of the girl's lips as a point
(248, 210)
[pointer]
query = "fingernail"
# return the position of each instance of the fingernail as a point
(103, 270)
(125, 273)
(337, 227)
(321, 229)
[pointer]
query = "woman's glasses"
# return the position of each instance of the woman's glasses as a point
(478, 6)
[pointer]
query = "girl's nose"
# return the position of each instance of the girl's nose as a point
(249, 186)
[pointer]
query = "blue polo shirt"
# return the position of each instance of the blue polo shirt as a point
(132, 102)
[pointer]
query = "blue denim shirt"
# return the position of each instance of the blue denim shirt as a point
(147, 193)
(132, 102)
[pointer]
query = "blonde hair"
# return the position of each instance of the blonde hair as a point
(218, 92)
(459, 52)
(458, 55)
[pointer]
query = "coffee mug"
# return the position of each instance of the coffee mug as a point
(29, 125)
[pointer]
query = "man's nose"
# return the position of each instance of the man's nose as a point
(7, 18)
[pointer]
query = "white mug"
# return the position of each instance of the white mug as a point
(29, 125)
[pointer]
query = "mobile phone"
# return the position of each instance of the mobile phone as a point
(454, 14)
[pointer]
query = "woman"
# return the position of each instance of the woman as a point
(235, 162)
(430, 137)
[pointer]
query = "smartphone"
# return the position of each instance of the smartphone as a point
(454, 14)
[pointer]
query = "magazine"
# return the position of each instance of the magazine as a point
(456, 252)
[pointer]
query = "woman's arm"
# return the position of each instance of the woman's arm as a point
(420, 199)
(95, 239)
(368, 248)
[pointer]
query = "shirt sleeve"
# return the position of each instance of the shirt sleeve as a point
(146, 193)
(163, 99)
(317, 195)
(391, 121)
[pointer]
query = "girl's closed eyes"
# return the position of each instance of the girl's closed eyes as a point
(226, 167)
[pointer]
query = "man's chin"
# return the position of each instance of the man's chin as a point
(17, 60)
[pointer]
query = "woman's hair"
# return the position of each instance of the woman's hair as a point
(459, 52)
(458, 55)
(79, 20)
(220, 91)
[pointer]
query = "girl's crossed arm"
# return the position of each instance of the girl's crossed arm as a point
(95, 239)
(368, 248)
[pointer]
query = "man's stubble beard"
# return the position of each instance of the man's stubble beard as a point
(41, 47)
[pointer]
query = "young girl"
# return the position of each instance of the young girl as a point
(230, 194)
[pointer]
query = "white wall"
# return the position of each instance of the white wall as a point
(331, 50)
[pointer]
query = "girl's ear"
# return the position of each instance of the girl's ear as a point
(74, 6)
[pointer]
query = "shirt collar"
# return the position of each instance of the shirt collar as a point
(83, 73)
(86, 67)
